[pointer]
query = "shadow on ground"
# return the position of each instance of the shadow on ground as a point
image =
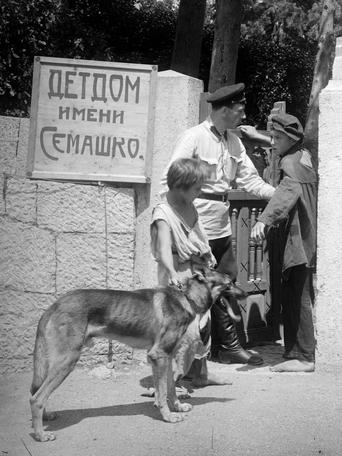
(67, 418)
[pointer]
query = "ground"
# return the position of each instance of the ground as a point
(104, 413)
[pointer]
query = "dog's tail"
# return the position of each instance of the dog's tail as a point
(40, 361)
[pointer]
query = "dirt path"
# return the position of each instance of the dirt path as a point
(104, 413)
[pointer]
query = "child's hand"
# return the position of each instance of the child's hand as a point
(174, 280)
(251, 133)
(258, 231)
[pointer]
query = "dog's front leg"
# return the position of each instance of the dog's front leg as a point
(160, 362)
(174, 401)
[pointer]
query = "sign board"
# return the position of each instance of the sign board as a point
(91, 121)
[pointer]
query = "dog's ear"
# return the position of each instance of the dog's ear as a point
(199, 276)
(201, 269)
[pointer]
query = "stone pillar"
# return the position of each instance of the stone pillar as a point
(329, 242)
(177, 108)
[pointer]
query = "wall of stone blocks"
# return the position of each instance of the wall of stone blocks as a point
(55, 237)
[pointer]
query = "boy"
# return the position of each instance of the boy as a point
(292, 210)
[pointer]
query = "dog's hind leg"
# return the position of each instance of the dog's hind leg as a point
(41, 367)
(60, 368)
(161, 362)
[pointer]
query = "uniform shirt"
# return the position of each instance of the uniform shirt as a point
(229, 165)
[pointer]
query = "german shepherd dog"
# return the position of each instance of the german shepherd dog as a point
(155, 319)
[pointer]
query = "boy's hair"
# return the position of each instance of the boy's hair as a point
(186, 172)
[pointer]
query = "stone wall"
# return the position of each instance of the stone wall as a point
(329, 232)
(55, 237)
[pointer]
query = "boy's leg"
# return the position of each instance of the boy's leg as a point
(299, 336)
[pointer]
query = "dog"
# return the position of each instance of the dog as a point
(155, 319)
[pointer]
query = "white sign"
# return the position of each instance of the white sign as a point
(91, 120)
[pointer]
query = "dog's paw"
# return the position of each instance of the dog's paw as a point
(183, 407)
(45, 436)
(150, 392)
(173, 417)
(182, 392)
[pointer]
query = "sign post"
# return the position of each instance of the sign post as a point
(91, 121)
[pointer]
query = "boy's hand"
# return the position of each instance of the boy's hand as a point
(252, 134)
(258, 231)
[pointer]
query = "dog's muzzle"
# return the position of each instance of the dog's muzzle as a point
(234, 291)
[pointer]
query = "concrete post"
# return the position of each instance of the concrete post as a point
(177, 108)
(329, 243)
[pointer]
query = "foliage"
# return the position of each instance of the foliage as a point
(277, 48)
(286, 19)
(117, 30)
(277, 51)
(24, 32)
(276, 72)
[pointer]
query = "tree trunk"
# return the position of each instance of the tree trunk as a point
(187, 48)
(226, 43)
(323, 64)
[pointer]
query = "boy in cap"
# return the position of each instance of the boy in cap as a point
(292, 210)
(228, 163)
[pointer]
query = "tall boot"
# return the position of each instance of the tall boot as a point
(226, 347)
(200, 377)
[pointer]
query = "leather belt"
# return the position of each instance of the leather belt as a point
(213, 196)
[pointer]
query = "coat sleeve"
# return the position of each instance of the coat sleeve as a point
(284, 199)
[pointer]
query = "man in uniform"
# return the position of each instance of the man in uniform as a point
(213, 142)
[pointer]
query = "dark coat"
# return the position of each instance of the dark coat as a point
(294, 207)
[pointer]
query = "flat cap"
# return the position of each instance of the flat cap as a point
(288, 124)
(232, 93)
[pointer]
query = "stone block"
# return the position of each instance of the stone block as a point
(28, 259)
(23, 143)
(96, 353)
(120, 210)
(183, 94)
(9, 128)
(329, 236)
(20, 313)
(81, 261)
(71, 208)
(3, 184)
(102, 353)
(120, 260)
(21, 199)
(8, 156)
